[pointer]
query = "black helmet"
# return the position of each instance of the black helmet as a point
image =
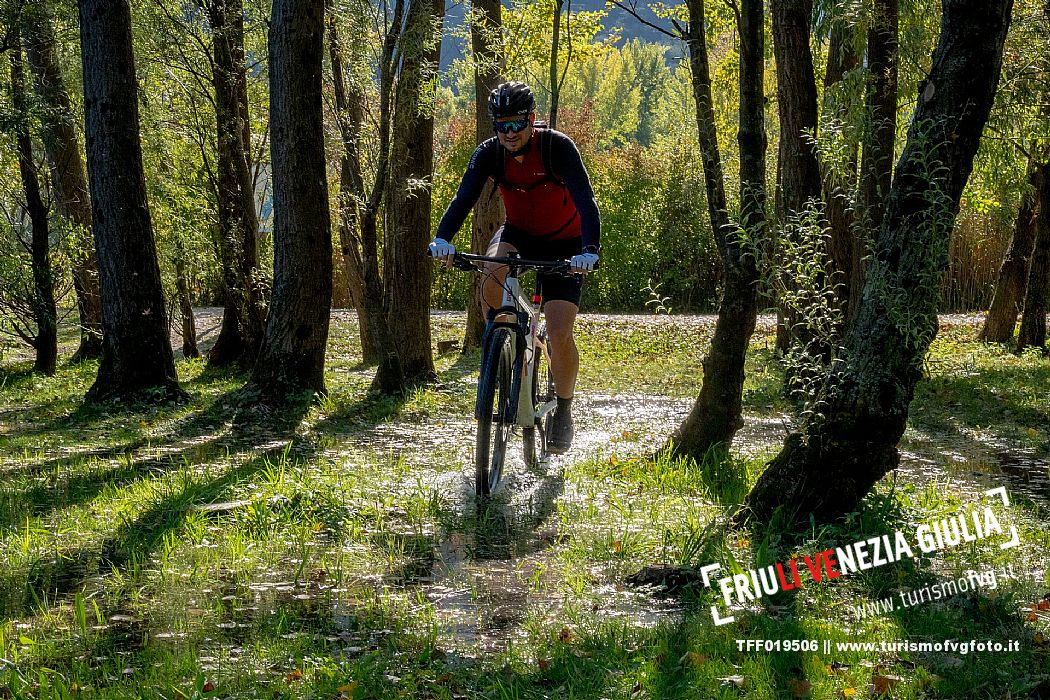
(512, 99)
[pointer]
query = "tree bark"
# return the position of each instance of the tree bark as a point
(835, 457)
(244, 312)
(486, 25)
(407, 271)
(68, 177)
(716, 415)
(838, 187)
(137, 361)
(45, 313)
(350, 115)
(800, 180)
(1012, 282)
(189, 323)
(1033, 320)
(876, 168)
(291, 357)
(552, 119)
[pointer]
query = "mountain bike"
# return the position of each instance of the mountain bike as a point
(510, 392)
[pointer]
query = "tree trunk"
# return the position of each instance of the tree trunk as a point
(1033, 320)
(350, 114)
(717, 414)
(68, 178)
(800, 181)
(835, 457)
(189, 323)
(555, 47)
(243, 313)
(1012, 282)
(291, 357)
(876, 168)
(45, 314)
(407, 272)
(486, 24)
(137, 361)
(838, 187)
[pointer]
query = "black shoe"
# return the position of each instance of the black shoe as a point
(559, 432)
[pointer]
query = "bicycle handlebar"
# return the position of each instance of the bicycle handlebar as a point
(467, 261)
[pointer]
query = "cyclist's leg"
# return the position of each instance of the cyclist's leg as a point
(492, 282)
(565, 358)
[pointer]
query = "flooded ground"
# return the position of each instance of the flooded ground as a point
(490, 570)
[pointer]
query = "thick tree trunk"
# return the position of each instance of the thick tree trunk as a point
(189, 323)
(800, 181)
(244, 314)
(836, 456)
(350, 113)
(407, 272)
(137, 361)
(1012, 281)
(291, 357)
(716, 415)
(838, 186)
(45, 314)
(68, 178)
(876, 168)
(486, 22)
(1033, 321)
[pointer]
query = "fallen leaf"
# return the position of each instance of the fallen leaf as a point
(346, 692)
(692, 658)
(208, 687)
(848, 693)
(618, 546)
(800, 689)
(565, 635)
(737, 681)
(1033, 433)
(883, 684)
(1043, 605)
(294, 675)
(1031, 617)
(543, 664)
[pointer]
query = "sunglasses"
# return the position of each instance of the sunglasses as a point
(512, 126)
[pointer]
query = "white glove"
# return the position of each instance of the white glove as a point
(583, 263)
(441, 249)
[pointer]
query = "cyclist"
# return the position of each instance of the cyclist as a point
(551, 215)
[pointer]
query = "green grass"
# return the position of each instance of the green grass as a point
(203, 550)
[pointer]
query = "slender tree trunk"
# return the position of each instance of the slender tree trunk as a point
(555, 48)
(838, 186)
(189, 323)
(800, 180)
(350, 113)
(291, 358)
(407, 272)
(1012, 282)
(68, 178)
(485, 27)
(1033, 321)
(876, 169)
(244, 313)
(137, 361)
(831, 462)
(45, 313)
(717, 414)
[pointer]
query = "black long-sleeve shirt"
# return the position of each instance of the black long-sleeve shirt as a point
(544, 204)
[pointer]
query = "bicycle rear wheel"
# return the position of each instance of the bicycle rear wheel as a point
(493, 412)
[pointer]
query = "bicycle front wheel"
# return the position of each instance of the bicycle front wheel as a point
(493, 412)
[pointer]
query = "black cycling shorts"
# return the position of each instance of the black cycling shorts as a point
(553, 287)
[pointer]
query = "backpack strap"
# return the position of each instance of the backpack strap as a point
(546, 139)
